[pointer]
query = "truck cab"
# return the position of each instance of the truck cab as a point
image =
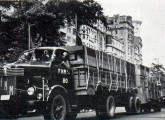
(31, 80)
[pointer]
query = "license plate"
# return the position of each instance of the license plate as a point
(5, 97)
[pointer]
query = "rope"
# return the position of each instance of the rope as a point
(97, 68)
(109, 73)
(87, 77)
(125, 76)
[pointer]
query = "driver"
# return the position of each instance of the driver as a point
(46, 55)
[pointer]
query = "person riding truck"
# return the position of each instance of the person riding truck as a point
(62, 58)
(65, 60)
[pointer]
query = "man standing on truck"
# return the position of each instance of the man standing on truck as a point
(65, 60)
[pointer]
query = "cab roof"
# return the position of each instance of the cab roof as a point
(51, 48)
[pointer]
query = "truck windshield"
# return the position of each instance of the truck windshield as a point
(42, 56)
(25, 57)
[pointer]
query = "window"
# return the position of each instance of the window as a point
(69, 30)
(42, 55)
(69, 39)
(115, 31)
(111, 22)
(83, 36)
(121, 31)
(74, 41)
(74, 31)
(62, 58)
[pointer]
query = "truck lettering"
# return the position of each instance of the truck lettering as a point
(62, 71)
(5, 85)
(65, 80)
(11, 90)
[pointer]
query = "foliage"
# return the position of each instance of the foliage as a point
(44, 21)
(158, 71)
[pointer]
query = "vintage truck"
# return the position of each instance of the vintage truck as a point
(60, 81)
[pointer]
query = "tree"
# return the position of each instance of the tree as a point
(44, 21)
(88, 11)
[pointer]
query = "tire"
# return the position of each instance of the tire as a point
(57, 107)
(100, 114)
(72, 116)
(147, 109)
(136, 105)
(129, 105)
(110, 107)
(157, 109)
(108, 110)
(7, 112)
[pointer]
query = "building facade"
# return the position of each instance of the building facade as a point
(94, 36)
(101, 32)
(114, 47)
(68, 34)
(124, 29)
(137, 42)
(89, 36)
(120, 37)
(137, 50)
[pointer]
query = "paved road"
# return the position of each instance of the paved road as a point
(120, 115)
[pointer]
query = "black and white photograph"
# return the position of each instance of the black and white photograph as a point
(82, 60)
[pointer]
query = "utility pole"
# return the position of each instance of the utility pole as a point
(29, 37)
(76, 22)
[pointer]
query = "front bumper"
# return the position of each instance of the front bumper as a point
(23, 106)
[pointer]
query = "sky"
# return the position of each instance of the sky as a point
(152, 15)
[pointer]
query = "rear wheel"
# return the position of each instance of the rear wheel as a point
(157, 109)
(108, 109)
(147, 109)
(100, 114)
(129, 105)
(136, 105)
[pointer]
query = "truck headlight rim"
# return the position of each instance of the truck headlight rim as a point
(31, 90)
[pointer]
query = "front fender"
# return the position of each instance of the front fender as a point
(56, 87)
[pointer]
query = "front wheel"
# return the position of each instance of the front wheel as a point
(57, 108)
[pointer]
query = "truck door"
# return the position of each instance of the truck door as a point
(61, 68)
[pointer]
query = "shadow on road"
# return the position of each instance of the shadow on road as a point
(116, 117)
